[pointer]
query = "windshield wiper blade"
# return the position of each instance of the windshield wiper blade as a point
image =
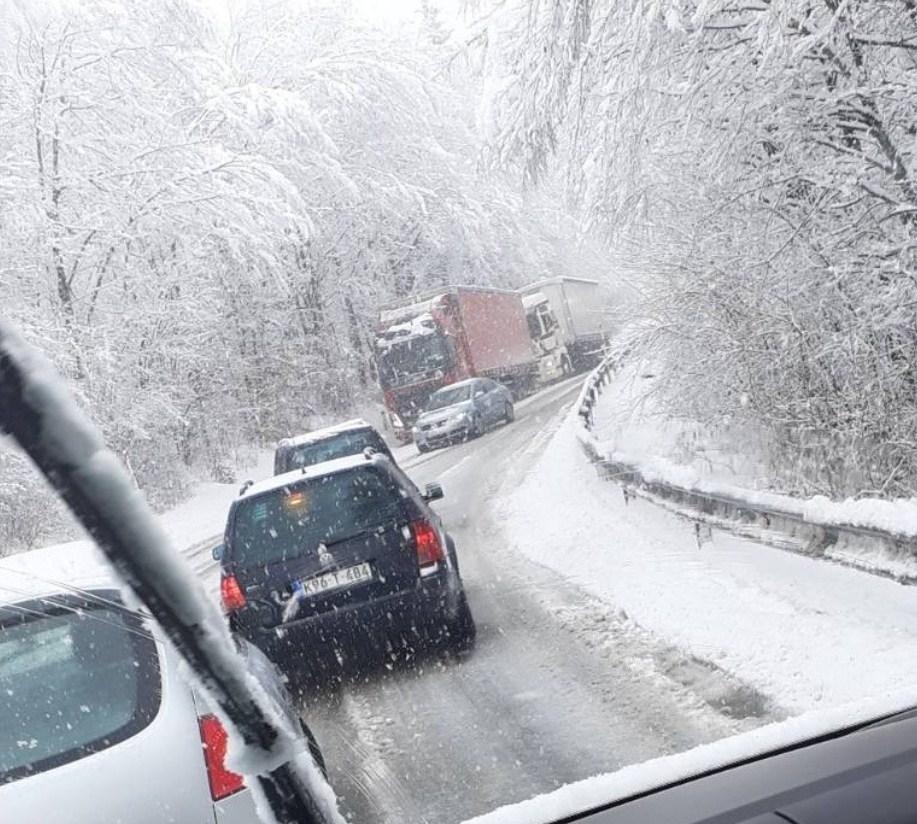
(42, 416)
(343, 539)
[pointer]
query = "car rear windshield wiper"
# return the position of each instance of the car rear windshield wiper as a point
(330, 542)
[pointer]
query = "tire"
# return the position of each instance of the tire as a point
(461, 631)
(422, 448)
(509, 413)
(477, 428)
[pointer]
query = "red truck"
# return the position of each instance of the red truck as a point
(454, 333)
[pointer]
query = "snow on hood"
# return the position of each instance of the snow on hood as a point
(606, 788)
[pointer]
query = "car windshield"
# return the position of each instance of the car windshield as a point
(675, 244)
(292, 521)
(449, 397)
(337, 446)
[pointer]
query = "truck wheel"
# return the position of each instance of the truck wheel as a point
(509, 414)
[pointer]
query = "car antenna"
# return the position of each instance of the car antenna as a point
(245, 486)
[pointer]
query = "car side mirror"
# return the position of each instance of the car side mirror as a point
(432, 492)
(218, 552)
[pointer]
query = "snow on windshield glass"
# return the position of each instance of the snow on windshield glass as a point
(673, 241)
(449, 397)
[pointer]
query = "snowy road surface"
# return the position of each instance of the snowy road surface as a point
(606, 636)
(557, 690)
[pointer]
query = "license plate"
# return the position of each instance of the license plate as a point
(336, 580)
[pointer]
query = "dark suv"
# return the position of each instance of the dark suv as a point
(341, 558)
(348, 438)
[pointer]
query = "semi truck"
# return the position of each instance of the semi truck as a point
(567, 322)
(457, 332)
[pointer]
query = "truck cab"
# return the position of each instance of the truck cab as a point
(415, 356)
(547, 338)
(576, 311)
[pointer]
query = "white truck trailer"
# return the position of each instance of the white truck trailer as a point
(568, 324)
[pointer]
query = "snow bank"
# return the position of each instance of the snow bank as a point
(806, 633)
(203, 514)
(630, 429)
(601, 790)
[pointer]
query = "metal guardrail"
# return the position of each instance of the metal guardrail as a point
(812, 537)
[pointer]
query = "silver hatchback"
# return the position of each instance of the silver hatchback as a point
(98, 723)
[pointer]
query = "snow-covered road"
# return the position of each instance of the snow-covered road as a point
(606, 636)
(559, 688)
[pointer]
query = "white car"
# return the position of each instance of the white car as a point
(98, 723)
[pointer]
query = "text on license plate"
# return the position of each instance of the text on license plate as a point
(337, 579)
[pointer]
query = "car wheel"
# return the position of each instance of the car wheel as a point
(509, 414)
(461, 631)
(477, 428)
(422, 448)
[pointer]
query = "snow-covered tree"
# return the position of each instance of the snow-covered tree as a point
(752, 164)
(199, 217)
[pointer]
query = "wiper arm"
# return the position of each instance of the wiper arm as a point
(350, 537)
(39, 412)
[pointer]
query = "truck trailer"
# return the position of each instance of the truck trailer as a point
(457, 332)
(567, 323)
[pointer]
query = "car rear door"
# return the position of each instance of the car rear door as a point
(369, 555)
(492, 401)
(479, 400)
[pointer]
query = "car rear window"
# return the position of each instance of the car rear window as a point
(74, 680)
(339, 446)
(292, 521)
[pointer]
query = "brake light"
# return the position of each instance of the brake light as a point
(427, 542)
(231, 593)
(223, 782)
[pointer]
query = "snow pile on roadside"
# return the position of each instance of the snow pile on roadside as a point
(806, 633)
(203, 514)
(631, 425)
(601, 790)
(630, 429)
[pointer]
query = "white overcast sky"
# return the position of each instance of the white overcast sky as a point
(379, 12)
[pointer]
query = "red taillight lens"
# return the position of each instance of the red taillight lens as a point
(223, 782)
(231, 593)
(426, 540)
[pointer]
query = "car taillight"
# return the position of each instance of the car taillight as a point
(231, 593)
(223, 782)
(427, 542)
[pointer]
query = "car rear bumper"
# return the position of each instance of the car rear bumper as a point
(405, 616)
